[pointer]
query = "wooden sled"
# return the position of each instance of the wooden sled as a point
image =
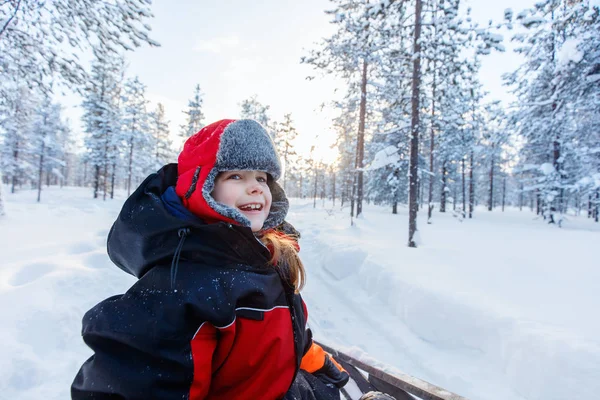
(365, 378)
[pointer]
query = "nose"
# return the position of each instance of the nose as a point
(255, 188)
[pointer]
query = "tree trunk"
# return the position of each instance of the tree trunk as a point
(503, 193)
(444, 192)
(315, 190)
(112, 181)
(360, 142)
(353, 199)
(420, 193)
(455, 197)
(41, 167)
(521, 194)
(590, 208)
(130, 166)
(464, 191)
(396, 192)
(414, 140)
(15, 171)
(432, 137)
(597, 204)
(96, 181)
(105, 179)
(471, 187)
(84, 183)
(431, 159)
(333, 190)
(491, 194)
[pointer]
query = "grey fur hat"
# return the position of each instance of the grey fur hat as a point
(228, 145)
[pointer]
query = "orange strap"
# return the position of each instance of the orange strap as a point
(314, 359)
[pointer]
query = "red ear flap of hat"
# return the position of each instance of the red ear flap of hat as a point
(195, 162)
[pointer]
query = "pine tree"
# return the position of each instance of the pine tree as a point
(102, 121)
(414, 128)
(285, 143)
(554, 104)
(18, 109)
(46, 144)
(194, 115)
(348, 53)
(42, 39)
(159, 127)
(252, 108)
(135, 132)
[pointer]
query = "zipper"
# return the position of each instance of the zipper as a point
(182, 233)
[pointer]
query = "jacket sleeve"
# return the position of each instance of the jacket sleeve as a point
(321, 364)
(141, 353)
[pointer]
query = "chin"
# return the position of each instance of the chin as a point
(256, 226)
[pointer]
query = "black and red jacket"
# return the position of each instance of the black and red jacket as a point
(207, 319)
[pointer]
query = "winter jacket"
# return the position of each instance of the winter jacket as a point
(207, 319)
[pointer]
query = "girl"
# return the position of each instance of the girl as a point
(216, 312)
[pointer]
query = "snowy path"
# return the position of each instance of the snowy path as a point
(343, 314)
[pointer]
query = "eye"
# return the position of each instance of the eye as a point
(234, 176)
(261, 179)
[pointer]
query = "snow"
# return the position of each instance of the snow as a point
(385, 157)
(546, 168)
(499, 307)
(532, 21)
(593, 78)
(569, 52)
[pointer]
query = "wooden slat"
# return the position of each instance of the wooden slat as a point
(392, 390)
(423, 390)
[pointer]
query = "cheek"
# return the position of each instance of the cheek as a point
(269, 198)
(224, 193)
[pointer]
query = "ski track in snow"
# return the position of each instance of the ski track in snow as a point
(370, 327)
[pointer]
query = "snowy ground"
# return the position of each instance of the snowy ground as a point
(499, 307)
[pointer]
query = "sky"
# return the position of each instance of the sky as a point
(236, 49)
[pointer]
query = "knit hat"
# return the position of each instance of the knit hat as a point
(228, 145)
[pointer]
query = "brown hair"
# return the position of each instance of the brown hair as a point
(284, 257)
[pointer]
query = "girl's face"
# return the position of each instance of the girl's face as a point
(248, 192)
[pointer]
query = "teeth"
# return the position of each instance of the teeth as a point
(252, 207)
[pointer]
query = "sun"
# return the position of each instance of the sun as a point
(320, 147)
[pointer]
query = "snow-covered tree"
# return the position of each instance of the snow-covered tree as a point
(39, 39)
(285, 143)
(135, 132)
(47, 138)
(102, 121)
(16, 122)
(252, 108)
(557, 89)
(159, 127)
(195, 117)
(348, 53)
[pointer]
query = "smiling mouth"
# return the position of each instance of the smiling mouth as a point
(251, 207)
